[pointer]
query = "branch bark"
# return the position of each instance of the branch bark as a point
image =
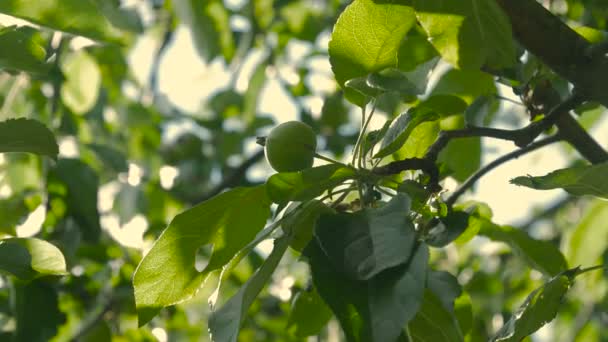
(559, 47)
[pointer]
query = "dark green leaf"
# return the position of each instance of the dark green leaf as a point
(445, 287)
(228, 221)
(394, 80)
(366, 38)
(224, 323)
(401, 128)
(307, 184)
(22, 49)
(210, 27)
(469, 33)
(85, 18)
(364, 243)
(26, 135)
(538, 309)
(309, 314)
(449, 229)
(374, 310)
(300, 224)
(578, 180)
(29, 258)
(477, 113)
(110, 157)
(374, 137)
(414, 50)
(434, 322)
(12, 211)
(541, 255)
(82, 184)
(37, 312)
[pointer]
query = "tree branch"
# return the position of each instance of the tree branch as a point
(497, 162)
(559, 47)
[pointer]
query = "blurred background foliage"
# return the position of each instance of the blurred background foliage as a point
(156, 105)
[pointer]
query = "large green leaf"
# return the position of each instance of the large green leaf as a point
(541, 255)
(419, 140)
(167, 274)
(468, 33)
(309, 314)
(367, 242)
(401, 128)
(92, 19)
(373, 310)
(589, 240)
(224, 323)
(81, 183)
(30, 258)
(209, 25)
(434, 322)
(538, 309)
(22, 50)
(27, 135)
(366, 38)
(300, 224)
(80, 89)
(466, 84)
(461, 156)
(307, 184)
(37, 313)
(579, 180)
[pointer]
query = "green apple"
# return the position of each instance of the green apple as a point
(291, 147)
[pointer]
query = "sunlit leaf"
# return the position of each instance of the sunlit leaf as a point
(468, 33)
(366, 38)
(589, 239)
(80, 90)
(167, 274)
(578, 180)
(401, 128)
(307, 184)
(30, 258)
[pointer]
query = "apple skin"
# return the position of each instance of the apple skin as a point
(291, 147)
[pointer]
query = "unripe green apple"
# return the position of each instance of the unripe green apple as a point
(291, 147)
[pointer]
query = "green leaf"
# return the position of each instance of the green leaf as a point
(209, 24)
(30, 258)
(376, 309)
(111, 157)
(80, 89)
(450, 228)
(27, 135)
(434, 322)
(466, 84)
(22, 49)
(309, 314)
(12, 211)
(477, 114)
(82, 185)
(538, 309)
(463, 309)
(461, 156)
(541, 255)
(414, 50)
(468, 34)
(85, 18)
(401, 128)
(364, 243)
(421, 138)
(394, 80)
(444, 105)
(366, 38)
(589, 240)
(37, 313)
(167, 274)
(224, 323)
(578, 180)
(445, 287)
(307, 184)
(300, 224)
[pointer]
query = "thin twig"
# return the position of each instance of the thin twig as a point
(497, 162)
